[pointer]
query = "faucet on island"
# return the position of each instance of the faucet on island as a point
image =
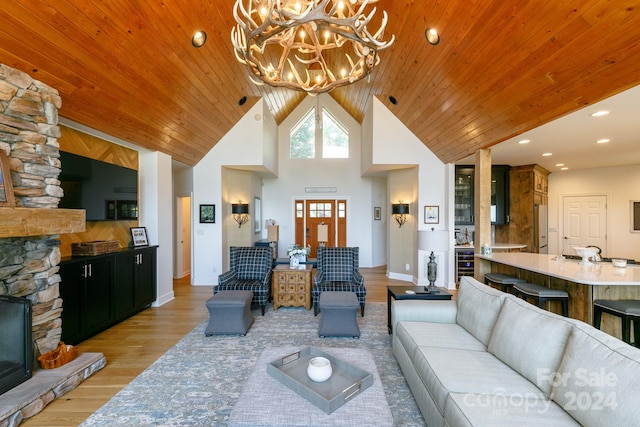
(598, 256)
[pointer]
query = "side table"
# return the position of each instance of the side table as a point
(400, 292)
(292, 286)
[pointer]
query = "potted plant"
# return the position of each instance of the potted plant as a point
(297, 254)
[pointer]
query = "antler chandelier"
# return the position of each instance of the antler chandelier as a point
(308, 45)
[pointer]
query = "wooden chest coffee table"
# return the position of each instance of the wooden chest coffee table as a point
(292, 286)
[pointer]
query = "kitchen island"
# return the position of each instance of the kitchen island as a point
(583, 283)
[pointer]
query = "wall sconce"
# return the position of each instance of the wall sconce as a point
(240, 212)
(400, 212)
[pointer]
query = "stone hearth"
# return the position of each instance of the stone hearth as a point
(30, 397)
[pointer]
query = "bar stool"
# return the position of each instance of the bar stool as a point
(505, 281)
(541, 294)
(627, 310)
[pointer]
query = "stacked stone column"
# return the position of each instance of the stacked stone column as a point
(29, 135)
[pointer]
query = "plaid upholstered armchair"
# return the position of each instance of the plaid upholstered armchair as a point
(249, 270)
(338, 271)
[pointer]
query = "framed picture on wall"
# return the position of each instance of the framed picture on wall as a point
(6, 186)
(377, 213)
(207, 214)
(431, 214)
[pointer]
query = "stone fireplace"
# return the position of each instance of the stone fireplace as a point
(30, 238)
(28, 135)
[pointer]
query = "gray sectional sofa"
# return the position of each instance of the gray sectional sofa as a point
(490, 359)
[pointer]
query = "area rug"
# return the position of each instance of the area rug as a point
(197, 381)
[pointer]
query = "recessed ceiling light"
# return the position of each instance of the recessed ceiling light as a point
(546, 154)
(559, 164)
(524, 141)
(199, 38)
(432, 36)
(564, 168)
(603, 141)
(600, 113)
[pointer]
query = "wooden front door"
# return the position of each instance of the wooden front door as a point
(310, 214)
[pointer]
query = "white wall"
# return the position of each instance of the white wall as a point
(388, 144)
(379, 199)
(344, 174)
(619, 184)
(156, 214)
(393, 145)
(248, 144)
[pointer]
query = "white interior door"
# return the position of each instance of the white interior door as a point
(183, 237)
(584, 223)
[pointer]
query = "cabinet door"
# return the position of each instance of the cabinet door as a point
(71, 295)
(499, 195)
(145, 277)
(98, 298)
(124, 288)
(464, 196)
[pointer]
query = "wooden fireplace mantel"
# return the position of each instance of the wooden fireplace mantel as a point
(24, 222)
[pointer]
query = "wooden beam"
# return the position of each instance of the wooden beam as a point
(24, 222)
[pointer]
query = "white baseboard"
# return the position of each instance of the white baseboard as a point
(398, 276)
(163, 299)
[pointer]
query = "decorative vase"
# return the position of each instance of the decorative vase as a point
(319, 369)
(302, 258)
(293, 261)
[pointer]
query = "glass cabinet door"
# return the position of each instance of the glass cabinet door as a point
(464, 196)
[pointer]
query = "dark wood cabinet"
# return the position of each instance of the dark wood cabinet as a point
(86, 291)
(98, 292)
(70, 293)
(135, 285)
(144, 277)
(500, 194)
(464, 195)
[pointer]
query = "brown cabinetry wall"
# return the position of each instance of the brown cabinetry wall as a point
(528, 186)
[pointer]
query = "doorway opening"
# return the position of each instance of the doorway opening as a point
(182, 235)
(324, 218)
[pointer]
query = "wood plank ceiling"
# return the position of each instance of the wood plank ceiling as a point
(127, 67)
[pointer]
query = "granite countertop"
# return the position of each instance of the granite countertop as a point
(599, 274)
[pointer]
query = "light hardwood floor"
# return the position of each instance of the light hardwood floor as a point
(133, 345)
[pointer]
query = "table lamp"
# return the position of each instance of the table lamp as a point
(434, 241)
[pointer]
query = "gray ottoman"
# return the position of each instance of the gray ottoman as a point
(339, 311)
(229, 313)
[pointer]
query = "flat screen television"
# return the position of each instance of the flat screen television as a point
(104, 190)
